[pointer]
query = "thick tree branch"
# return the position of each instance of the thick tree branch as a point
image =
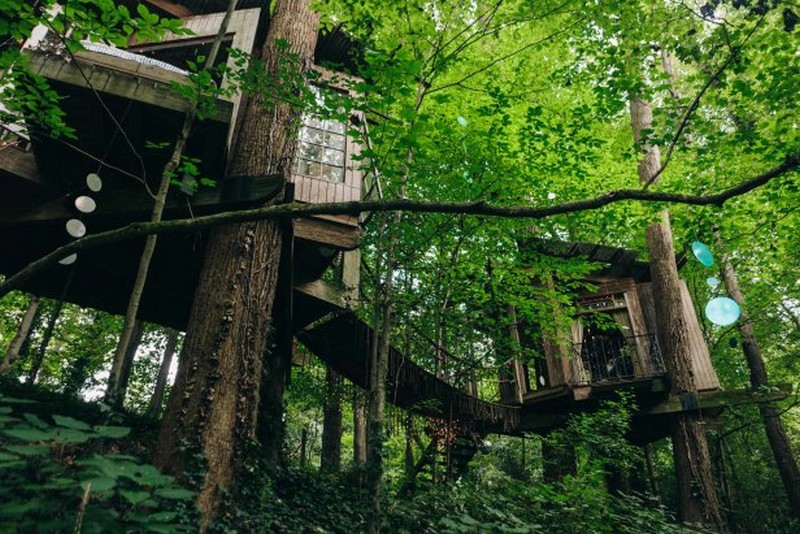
(298, 210)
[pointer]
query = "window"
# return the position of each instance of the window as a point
(321, 149)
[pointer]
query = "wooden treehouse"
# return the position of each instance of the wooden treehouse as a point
(124, 112)
(609, 344)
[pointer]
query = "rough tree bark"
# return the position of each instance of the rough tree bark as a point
(214, 404)
(157, 399)
(14, 348)
(776, 435)
(697, 494)
(332, 422)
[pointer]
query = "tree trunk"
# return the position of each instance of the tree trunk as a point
(14, 348)
(558, 461)
(778, 440)
(45, 342)
(118, 385)
(697, 495)
(154, 408)
(332, 423)
(214, 404)
(359, 428)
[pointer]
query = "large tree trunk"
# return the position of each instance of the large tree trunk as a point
(157, 399)
(697, 495)
(778, 440)
(15, 347)
(332, 422)
(214, 404)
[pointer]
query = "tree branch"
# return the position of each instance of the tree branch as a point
(297, 210)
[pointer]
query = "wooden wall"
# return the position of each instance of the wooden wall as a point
(704, 374)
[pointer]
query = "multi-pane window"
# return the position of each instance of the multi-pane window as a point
(321, 151)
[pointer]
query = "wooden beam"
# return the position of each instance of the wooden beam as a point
(717, 399)
(122, 77)
(328, 233)
(134, 204)
(321, 290)
(20, 163)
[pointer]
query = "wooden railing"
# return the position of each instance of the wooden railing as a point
(616, 359)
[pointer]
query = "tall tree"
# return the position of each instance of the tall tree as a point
(15, 347)
(157, 399)
(776, 434)
(332, 422)
(214, 403)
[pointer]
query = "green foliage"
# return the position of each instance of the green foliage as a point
(47, 466)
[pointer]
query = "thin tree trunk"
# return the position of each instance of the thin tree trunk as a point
(697, 495)
(154, 408)
(214, 404)
(116, 378)
(776, 435)
(117, 398)
(359, 428)
(332, 422)
(15, 347)
(651, 472)
(45, 342)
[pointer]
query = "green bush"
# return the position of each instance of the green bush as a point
(63, 472)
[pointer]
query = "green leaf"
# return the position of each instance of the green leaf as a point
(28, 450)
(5, 457)
(175, 493)
(100, 483)
(28, 434)
(112, 431)
(69, 422)
(135, 497)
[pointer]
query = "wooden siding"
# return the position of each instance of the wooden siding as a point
(704, 375)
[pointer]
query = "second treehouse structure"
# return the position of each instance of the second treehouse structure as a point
(609, 343)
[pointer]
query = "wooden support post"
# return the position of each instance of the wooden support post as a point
(697, 495)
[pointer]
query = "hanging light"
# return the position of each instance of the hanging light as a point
(93, 182)
(85, 204)
(712, 282)
(69, 260)
(76, 228)
(702, 253)
(722, 311)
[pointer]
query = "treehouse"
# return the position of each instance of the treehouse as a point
(609, 344)
(126, 116)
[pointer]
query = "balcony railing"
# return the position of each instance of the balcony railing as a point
(616, 359)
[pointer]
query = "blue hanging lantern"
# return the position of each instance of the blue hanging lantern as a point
(722, 311)
(702, 253)
(712, 282)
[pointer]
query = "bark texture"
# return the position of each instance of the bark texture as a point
(697, 494)
(332, 422)
(19, 339)
(776, 434)
(359, 428)
(116, 396)
(157, 399)
(214, 404)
